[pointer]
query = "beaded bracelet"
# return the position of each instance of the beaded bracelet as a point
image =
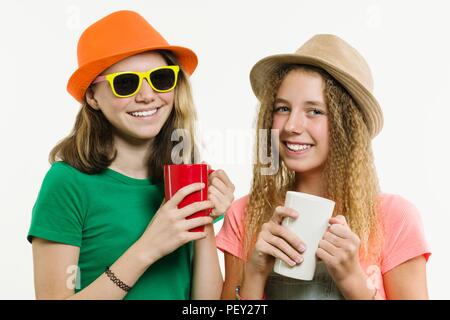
(116, 280)
(237, 292)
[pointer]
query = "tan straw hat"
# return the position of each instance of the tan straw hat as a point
(337, 58)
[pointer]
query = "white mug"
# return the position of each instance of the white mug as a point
(310, 226)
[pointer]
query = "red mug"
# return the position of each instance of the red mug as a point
(177, 176)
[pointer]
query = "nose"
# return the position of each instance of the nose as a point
(296, 123)
(146, 93)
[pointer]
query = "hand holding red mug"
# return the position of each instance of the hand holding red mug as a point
(218, 188)
(220, 192)
(169, 228)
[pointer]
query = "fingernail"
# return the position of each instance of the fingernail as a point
(292, 263)
(302, 248)
(299, 259)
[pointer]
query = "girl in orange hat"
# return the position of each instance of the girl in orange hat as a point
(100, 228)
(319, 101)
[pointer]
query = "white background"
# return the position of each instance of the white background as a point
(405, 42)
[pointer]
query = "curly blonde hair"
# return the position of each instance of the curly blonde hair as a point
(349, 173)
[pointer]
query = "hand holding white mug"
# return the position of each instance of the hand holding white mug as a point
(315, 213)
(339, 250)
(276, 241)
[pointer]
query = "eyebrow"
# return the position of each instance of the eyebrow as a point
(309, 102)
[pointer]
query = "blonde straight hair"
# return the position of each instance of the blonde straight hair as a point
(90, 146)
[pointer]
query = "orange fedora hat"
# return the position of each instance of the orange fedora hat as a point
(113, 38)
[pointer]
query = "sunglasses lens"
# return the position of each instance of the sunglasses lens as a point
(125, 84)
(163, 79)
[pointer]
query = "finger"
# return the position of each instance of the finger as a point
(183, 192)
(331, 249)
(340, 230)
(334, 239)
(289, 236)
(194, 207)
(214, 190)
(218, 186)
(221, 201)
(324, 256)
(277, 253)
(283, 212)
(224, 177)
(339, 219)
(283, 246)
(219, 206)
(189, 224)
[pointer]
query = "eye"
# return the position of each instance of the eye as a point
(316, 112)
(281, 109)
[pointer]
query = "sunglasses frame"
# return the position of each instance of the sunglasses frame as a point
(142, 75)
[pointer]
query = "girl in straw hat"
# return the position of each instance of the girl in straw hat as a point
(320, 101)
(99, 229)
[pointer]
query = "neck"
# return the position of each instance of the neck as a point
(132, 157)
(311, 182)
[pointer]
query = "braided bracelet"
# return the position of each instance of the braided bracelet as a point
(238, 296)
(116, 280)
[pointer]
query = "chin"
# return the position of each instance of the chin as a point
(146, 135)
(143, 135)
(303, 166)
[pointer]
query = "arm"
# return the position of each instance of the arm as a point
(207, 277)
(238, 273)
(53, 260)
(407, 281)
(233, 276)
(167, 231)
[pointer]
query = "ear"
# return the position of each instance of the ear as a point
(90, 99)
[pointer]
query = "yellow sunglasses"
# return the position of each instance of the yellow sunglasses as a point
(127, 83)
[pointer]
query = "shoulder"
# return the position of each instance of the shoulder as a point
(404, 234)
(61, 177)
(234, 218)
(393, 207)
(396, 212)
(62, 169)
(238, 207)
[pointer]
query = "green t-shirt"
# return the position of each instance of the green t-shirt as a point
(104, 214)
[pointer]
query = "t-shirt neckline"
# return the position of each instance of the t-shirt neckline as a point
(128, 180)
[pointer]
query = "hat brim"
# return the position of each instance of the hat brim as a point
(367, 103)
(84, 75)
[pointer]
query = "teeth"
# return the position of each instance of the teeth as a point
(144, 113)
(298, 147)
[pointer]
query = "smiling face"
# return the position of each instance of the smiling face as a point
(300, 113)
(139, 117)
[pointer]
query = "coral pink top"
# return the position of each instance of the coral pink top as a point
(404, 236)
